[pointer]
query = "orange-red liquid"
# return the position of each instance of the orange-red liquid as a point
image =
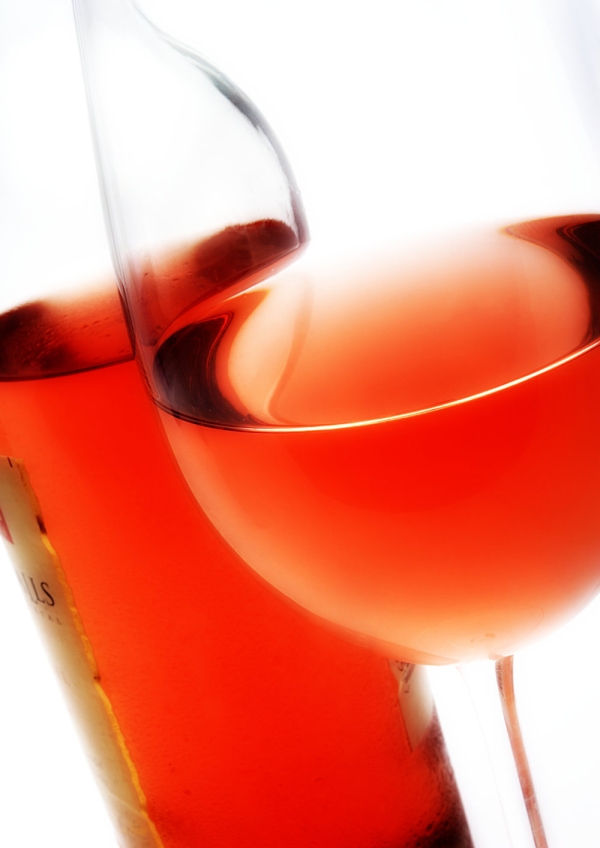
(248, 725)
(407, 450)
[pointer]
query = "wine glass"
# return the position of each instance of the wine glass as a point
(393, 422)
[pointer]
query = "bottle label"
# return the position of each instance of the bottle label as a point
(44, 583)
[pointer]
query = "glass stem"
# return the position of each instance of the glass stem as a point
(491, 692)
(505, 680)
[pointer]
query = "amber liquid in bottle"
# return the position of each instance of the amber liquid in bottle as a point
(244, 721)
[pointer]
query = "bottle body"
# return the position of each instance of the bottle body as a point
(241, 721)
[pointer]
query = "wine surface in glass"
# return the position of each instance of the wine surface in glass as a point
(408, 448)
(245, 723)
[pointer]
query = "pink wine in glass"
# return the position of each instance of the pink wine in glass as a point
(407, 448)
